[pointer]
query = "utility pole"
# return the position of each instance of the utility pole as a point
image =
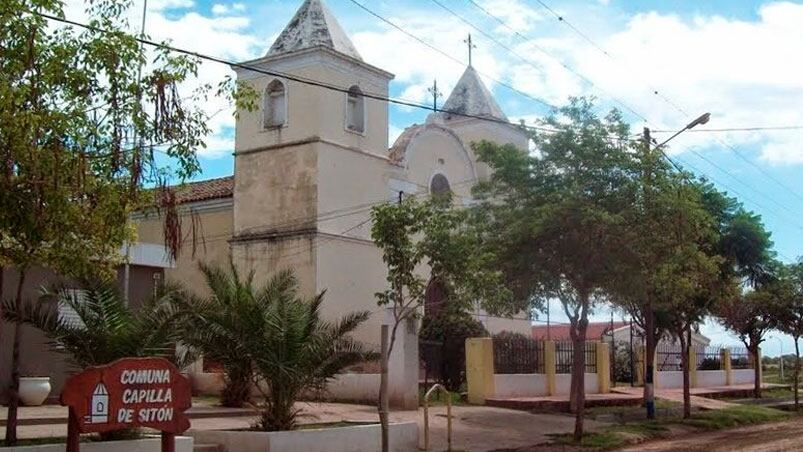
(435, 94)
(471, 48)
(649, 320)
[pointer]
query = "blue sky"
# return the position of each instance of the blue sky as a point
(737, 59)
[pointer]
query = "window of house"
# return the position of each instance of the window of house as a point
(355, 110)
(274, 107)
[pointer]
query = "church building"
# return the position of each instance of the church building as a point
(309, 164)
(312, 161)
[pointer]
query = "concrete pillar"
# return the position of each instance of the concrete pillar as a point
(725, 364)
(692, 367)
(640, 365)
(549, 366)
(480, 369)
(403, 365)
(604, 367)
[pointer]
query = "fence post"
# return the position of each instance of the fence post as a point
(480, 369)
(604, 367)
(549, 366)
(693, 367)
(725, 364)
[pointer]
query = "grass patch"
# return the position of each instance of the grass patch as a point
(601, 440)
(735, 416)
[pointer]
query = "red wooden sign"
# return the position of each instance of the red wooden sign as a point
(128, 393)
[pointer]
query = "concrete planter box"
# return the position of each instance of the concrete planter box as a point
(183, 444)
(360, 438)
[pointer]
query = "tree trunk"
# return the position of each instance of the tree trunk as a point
(756, 369)
(578, 396)
(649, 360)
(13, 392)
(684, 359)
(383, 390)
(797, 371)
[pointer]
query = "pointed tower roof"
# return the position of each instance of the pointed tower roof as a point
(313, 25)
(471, 97)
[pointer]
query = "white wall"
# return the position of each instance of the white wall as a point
(520, 385)
(710, 378)
(742, 376)
(563, 383)
(670, 379)
(354, 388)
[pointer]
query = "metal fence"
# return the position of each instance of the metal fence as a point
(432, 359)
(669, 358)
(740, 358)
(518, 356)
(708, 358)
(564, 357)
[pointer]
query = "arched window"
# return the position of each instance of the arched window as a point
(274, 105)
(355, 110)
(439, 186)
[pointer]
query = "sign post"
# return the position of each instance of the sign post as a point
(128, 393)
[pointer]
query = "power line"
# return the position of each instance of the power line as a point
(441, 52)
(532, 42)
(737, 129)
(301, 79)
(675, 105)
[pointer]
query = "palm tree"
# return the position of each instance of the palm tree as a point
(216, 324)
(102, 327)
(281, 336)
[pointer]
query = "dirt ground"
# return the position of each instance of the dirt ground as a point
(776, 437)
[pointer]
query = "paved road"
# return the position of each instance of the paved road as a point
(777, 437)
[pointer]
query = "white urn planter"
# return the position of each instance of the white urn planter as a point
(34, 390)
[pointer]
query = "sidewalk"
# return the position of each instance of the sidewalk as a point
(475, 428)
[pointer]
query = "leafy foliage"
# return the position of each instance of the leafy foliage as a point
(451, 328)
(272, 332)
(556, 221)
(104, 328)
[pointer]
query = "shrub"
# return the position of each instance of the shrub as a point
(443, 345)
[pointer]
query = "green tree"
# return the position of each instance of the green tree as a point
(449, 328)
(281, 334)
(431, 233)
(750, 316)
(81, 118)
(556, 219)
(788, 292)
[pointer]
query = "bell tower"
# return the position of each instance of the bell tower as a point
(317, 110)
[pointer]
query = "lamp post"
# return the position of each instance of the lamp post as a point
(649, 377)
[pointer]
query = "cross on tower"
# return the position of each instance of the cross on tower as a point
(471, 48)
(435, 94)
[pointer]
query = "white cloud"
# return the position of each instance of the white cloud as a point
(219, 9)
(162, 5)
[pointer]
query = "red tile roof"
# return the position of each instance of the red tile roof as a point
(222, 187)
(561, 332)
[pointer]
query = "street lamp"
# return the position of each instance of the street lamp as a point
(702, 119)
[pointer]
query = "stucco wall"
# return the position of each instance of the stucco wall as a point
(316, 111)
(742, 376)
(276, 189)
(669, 379)
(520, 385)
(212, 230)
(710, 378)
(563, 383)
